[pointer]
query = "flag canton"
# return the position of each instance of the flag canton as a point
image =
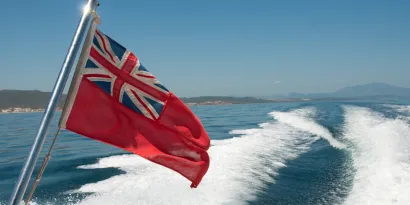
(118, 72)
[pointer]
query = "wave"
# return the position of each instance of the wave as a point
(241, 168)
(400, 108)
(303, 120)
(381, 157)
(404, 111)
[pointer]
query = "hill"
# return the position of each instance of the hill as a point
(25, 99)
(366, 90)
(373, 89)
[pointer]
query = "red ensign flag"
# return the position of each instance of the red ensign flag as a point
(113, 98)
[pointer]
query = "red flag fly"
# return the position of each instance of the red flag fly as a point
(113, 98)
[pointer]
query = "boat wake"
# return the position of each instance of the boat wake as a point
(380, 154)
(241, 167)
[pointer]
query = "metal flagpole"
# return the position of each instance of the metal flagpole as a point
(80, 63)
(27, 170)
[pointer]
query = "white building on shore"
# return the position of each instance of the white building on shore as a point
(20, 110)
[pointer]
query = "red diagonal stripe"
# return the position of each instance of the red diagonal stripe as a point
(129, 79)
(143, 104)
(97, 76)
(146, 76)
(105, 47)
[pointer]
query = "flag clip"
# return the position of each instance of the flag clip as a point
(96, 18)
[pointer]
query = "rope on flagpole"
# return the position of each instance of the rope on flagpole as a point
(43, 167)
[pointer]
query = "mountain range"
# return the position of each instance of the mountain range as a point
(365, 90)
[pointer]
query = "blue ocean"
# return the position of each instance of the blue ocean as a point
(277, 153)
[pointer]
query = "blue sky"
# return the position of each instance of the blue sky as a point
(222, 47)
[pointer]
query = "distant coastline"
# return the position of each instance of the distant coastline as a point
(193, 101)
(25, 101)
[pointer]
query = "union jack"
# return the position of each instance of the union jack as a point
(117, 71)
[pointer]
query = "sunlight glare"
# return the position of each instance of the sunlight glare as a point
(86, 8)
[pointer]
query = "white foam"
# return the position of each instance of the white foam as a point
(240, 168)
(302, 119)
(404, 110)
(381, 158)
(400, 108)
